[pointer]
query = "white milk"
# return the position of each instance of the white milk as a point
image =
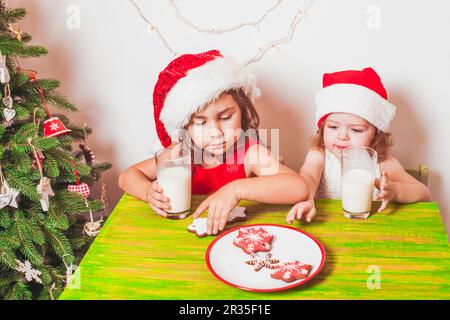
(357, 190)
(176, 185)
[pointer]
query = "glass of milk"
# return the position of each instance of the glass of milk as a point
(358, 172)
(173, 171)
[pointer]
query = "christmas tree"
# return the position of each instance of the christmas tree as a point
(44, 181)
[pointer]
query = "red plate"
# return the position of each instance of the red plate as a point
(226, 261)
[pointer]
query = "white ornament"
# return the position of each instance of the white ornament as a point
(8, 195)
(92, 228)
(13, 192)
(5, 199)
(27, 269)
(9, 114)
(45, 190)
(4, 73)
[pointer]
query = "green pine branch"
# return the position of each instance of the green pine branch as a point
(49, 240)
(10, 46)
(12, 16)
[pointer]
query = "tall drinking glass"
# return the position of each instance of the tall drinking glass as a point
(173, 171)
(358, 170)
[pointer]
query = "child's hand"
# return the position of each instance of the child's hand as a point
(304, 209)
(219, 205)
(156, 199)
(387, 192)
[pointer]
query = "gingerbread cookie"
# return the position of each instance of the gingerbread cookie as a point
(262, 261)
(290, 271)
(237, 214)
(199, 225)
(253, 239)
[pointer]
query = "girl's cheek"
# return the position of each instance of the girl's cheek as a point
(197, 135)
(327, 138)
(360, 141)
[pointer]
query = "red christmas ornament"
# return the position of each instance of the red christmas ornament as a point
(54, 127)
(82, 188)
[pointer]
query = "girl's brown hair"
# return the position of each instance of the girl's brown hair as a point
(249, 116)
(380, 143)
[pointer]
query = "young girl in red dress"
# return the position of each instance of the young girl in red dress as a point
(206, 100)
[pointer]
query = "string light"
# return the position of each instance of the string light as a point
(153, 28)
(288, 38)
(262, 50)
(214, 29)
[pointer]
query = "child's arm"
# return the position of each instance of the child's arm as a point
(311, 171)
(139, 181)
(274, 183)
(398, 186)
(269, 181)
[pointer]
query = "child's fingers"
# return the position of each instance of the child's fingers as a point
(291, 214)
(210, 220)
(384, 180)
(202, 207)
(300, 212)
(158, 192)
(217, 218)
(158, 204)
(311, 214)
(384, 203)
(158, 211)
(379, 196)
(158, 196)
(156, 187)
(382, 196)
(223, 219)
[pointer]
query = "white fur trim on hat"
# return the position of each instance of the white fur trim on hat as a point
(357, 100)
(201, 86)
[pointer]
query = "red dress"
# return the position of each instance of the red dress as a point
(207, 181)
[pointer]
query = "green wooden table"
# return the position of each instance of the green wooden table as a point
(140, 255)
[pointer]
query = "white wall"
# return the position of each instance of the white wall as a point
(109, 66)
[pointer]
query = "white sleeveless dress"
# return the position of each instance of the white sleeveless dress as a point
(330, 182)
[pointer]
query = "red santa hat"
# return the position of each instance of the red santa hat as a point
(356, 92)
(190, 82)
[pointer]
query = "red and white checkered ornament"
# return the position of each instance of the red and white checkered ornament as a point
(82, 188)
